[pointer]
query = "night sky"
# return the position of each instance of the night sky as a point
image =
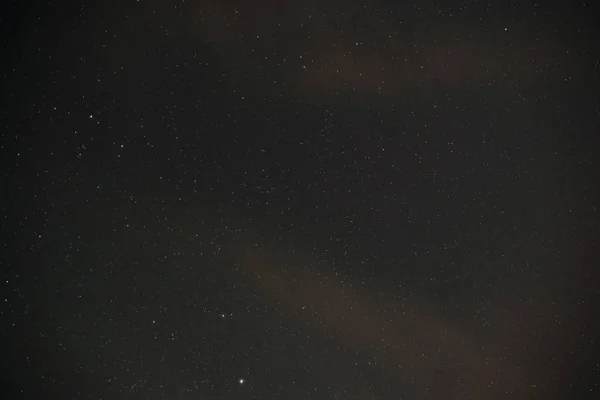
(300, 200)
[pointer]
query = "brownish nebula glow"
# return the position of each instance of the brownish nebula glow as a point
(365, 52)
(434, 356)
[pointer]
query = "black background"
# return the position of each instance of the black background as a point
(327, 200)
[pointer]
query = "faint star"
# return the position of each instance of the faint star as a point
(241, 381)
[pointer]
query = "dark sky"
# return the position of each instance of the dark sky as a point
(300, 200)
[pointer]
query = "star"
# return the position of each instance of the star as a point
(241, 381)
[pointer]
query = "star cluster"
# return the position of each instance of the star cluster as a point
(300, 200)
